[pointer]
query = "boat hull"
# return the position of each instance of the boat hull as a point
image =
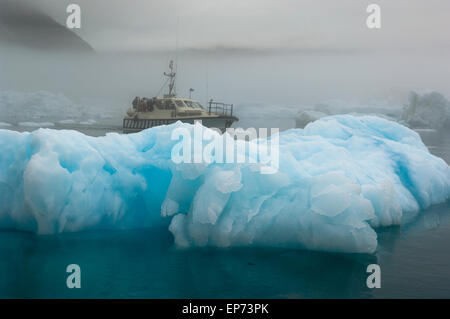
(131, 125)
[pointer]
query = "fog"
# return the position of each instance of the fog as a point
(232, 69)
(270, 78)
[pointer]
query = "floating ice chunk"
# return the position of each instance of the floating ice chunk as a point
(307, 116)
(68, 121)
(56, 107)
(88, 122)
(430, 110)
(36, 124)
(338, 179)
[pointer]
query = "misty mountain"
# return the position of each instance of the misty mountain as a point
(24, 25)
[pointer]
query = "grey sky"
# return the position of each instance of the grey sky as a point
(309, 25)
(276, 51)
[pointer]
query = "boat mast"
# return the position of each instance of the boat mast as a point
(171, 76)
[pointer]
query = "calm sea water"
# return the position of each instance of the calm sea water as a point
(143, 263)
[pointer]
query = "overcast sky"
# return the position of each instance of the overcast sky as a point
(278, 25)
(276, 51)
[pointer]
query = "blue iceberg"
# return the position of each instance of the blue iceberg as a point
(339, 178)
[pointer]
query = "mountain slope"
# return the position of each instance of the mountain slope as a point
(25, 26)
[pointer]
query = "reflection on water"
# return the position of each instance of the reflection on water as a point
(144, 263)
(415, 257)
(438, 142)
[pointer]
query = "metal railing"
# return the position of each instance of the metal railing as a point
(220, 108)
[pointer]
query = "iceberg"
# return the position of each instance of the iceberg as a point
(31, 105)
(43, 107)
(36, 124)
(429, 110)
(338, 179)
(307, 116)
(388, 108)
(88, 122)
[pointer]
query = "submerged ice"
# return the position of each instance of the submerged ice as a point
(339, 178)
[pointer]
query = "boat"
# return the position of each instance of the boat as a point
(150, 112)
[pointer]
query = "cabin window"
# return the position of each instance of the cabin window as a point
(197, 105)
(168, 104)
(188, 103)
(194, 105)
(179, 103)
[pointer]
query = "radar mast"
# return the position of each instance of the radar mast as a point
(171, 75)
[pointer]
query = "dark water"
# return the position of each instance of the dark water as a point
(143, 263)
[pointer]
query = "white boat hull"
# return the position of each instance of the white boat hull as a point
(137, 125)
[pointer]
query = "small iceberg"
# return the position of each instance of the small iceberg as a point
(36, 124)
(88, 122)
(429, 110)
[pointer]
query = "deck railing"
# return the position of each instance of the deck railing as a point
(220, 108)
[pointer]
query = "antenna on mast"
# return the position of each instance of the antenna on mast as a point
(176, 50)
(173, 69)
(171, 75)
(207, 79)
(176, 43)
